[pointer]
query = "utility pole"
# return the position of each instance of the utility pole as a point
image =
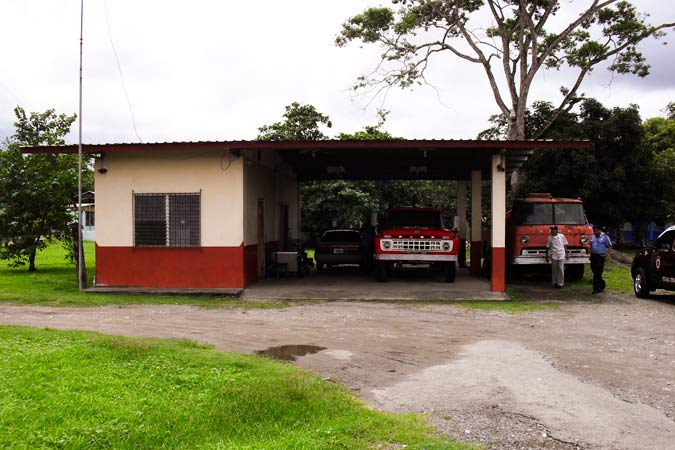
(82, 283)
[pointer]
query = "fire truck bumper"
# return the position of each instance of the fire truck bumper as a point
(541, 260)
(407, 257)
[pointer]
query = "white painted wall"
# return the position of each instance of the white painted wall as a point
(219, 176)
(268, 179)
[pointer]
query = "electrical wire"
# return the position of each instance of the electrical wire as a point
(16, 97)
(119, 68)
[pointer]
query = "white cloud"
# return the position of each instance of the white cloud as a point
(216, 70)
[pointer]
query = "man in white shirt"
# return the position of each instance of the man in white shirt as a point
(556, 250)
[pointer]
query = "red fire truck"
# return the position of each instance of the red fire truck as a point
(414, 236)
(528, 225)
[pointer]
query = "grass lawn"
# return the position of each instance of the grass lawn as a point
(617, 276)
(513, 306)
(82, 390)
(55, 283)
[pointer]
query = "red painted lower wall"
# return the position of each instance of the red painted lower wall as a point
(498, 281)
(171, 267)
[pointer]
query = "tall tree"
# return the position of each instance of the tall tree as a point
(345, 203)
(520, 39)
(617, 177)
(37, 192)
(659, 139)
(301, 123)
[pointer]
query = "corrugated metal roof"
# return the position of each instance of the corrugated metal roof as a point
(359, 159)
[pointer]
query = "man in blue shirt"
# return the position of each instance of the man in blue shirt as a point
(600, 248)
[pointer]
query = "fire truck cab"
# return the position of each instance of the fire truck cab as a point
(528, 226)
(415, 236)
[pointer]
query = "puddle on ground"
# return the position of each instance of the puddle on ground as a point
(289, 352)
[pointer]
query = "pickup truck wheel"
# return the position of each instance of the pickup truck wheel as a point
(640, 283)
(450, 272)
(380, 271)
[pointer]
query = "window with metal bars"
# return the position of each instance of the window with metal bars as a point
(167, 220)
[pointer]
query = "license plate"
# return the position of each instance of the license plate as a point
(338, 251)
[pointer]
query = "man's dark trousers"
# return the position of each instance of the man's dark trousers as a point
(597, 267)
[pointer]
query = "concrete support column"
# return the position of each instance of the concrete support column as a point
(498, 223)
(476, 238)
(461, 212)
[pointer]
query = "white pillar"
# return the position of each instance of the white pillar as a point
(498, 204)
(461, 213)
(461, 207)
(476, 205)
(476, 208)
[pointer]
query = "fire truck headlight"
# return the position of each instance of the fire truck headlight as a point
(584, 238)
(386, 245)
(525, 239)
(447, 246)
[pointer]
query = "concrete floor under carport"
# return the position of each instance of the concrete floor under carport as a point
(350, 284)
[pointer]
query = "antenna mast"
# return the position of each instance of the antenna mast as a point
(80, 251)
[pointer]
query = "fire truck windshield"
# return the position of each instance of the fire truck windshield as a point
(549, 213)
(423, 219)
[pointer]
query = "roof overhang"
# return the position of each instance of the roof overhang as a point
(358, 159)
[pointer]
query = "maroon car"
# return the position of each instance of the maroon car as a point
(338, 247)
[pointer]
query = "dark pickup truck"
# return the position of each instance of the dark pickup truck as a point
(654, 265)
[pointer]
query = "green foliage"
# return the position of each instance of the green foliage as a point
(36, 191)
(526, 35)
(344, 203)
(78, 390)
(301, 123)
(659, 139)
(626, 174)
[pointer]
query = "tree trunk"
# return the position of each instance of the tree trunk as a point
(31, 260)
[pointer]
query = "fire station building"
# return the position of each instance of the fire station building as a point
(207, 214)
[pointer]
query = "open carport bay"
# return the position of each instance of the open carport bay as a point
(349, 284)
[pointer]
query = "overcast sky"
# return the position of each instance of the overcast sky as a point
(218, 70)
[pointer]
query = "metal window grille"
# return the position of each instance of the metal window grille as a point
(167, 220)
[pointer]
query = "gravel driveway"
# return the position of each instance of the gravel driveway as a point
(592, 374)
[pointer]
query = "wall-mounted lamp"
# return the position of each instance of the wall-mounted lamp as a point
(335, 170)
(501, 166)
(418, 170)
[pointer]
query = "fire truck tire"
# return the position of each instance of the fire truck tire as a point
(574, 272)
(450, 272)
(381, 272)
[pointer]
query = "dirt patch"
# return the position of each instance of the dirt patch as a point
(592, 375)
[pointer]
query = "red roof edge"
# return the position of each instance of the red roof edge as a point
(312, 145)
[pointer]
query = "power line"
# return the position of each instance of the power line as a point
(119, 69)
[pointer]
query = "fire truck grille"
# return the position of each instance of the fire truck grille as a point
(542, 252)
(421, 246)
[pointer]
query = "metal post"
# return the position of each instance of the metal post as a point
(80, 251)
